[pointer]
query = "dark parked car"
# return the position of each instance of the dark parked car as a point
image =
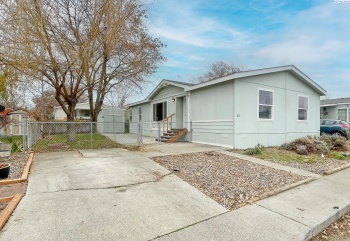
(334, 127)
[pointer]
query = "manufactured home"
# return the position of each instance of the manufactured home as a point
(266, 106)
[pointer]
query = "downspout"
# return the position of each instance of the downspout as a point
(234, 128)
(285, 107)
(188, 103)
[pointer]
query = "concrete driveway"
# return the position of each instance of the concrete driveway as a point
(104, 195)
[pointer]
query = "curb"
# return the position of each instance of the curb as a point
(6, 213)
(331, 219)
(274, 192)
(25, 173)
(14, 200)
(336, 169)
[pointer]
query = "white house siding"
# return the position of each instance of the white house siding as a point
(285, 125)
(212, 113)
(332, 112)
(60, 114)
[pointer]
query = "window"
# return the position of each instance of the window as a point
(265, 104)
(303, 105)
(342, 114)
(140, 113)
(159, 111)
(130, 115)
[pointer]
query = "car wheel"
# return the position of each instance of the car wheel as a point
(336, 134)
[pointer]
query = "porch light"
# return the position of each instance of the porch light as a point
(173, 99)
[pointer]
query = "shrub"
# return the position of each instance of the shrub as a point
(257, 150)
(319, 144)
(304, 141)
(285, 146)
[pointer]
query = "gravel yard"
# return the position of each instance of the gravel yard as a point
(227, 180)
(17, 161)
(318, 167)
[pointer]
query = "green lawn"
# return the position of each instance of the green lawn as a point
(82, 141)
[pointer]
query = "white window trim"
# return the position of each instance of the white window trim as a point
(273, 105)
(157, 102)
(307, 113)
(139, 114)
(347, 113)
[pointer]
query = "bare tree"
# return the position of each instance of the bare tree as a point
(216, 70)
(12, 94)
(78, 45)
(326, 97)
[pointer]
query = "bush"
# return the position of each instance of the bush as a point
(304, 141)
(319, 144)
(285, 146)
(257, 150)
(337, 143)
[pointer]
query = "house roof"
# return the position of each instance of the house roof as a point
(82, 106)
(162, 84)
(290, 68)
(333, 102)
(188, 87)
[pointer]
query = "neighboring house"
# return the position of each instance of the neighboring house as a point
(265, 106)
(110, 120)
(17, 120)
(82, 112)
(335, 109)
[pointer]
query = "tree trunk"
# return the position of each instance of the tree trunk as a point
(71, 126)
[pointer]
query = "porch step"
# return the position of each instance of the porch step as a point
(173, 135)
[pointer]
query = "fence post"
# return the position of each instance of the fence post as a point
(191, 131)
(90, 135)
(24, 144)
(29, 137)
(138, 133)
(159, 131)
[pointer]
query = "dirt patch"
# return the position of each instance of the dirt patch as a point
(12, 189)
(3, 206)
(228, 180)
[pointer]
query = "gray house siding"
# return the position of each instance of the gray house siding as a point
(167, 92)
(212, 114)
(284, 125)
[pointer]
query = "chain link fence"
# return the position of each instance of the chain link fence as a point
(55, 136)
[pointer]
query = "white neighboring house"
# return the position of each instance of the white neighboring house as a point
(82, 112)
(338, 109)
(265, 106)
(110, 120)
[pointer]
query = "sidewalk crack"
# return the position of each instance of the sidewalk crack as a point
(105, 188)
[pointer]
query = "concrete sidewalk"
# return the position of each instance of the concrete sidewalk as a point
(297, 214)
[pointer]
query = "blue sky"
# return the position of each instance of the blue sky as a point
(313, 35)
